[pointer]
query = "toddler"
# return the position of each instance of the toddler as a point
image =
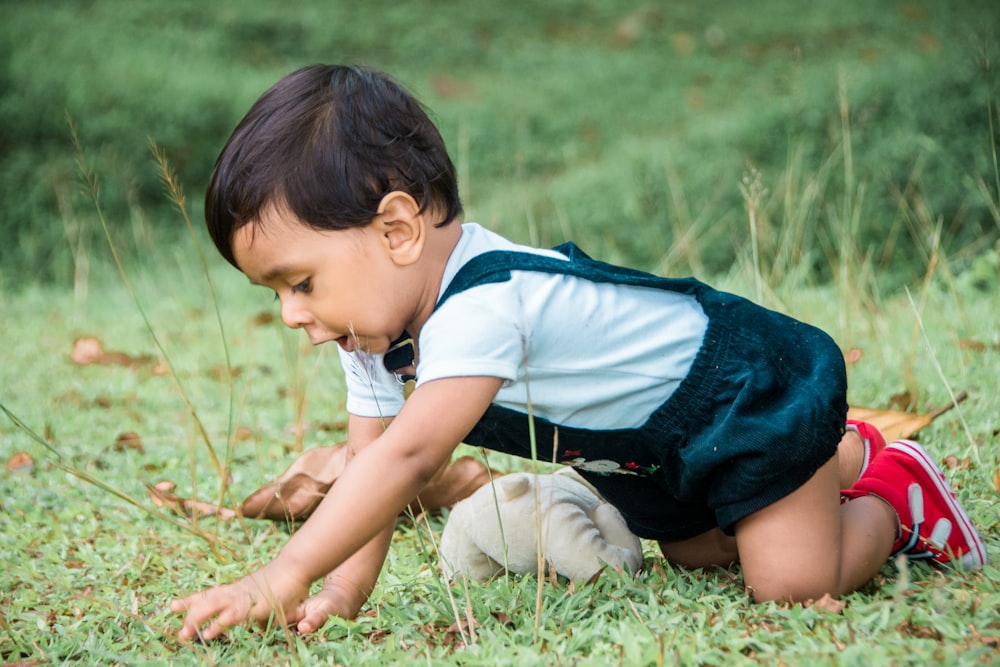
(717, 427)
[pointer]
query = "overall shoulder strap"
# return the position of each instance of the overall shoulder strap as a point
(495, 267)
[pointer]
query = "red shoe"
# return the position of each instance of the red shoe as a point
(933, 524)
(872, 438)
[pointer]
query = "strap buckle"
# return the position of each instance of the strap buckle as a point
(400, 355)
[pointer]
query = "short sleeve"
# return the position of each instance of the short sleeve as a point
(372, 391)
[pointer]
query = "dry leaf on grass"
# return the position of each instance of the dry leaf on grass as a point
(896, 424)
(978, 346)
(911, 629)
(852, 356)
(952, 462)
(162, 495)
(262, 318)
(297, 491)
(90, 350)
(129, 440)
(21, 463)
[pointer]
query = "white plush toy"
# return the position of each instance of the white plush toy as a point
(580, 532)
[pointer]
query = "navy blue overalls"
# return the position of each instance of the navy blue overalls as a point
(762, 408)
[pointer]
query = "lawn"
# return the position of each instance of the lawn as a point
(868, 207)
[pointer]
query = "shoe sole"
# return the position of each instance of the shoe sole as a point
(975, 558)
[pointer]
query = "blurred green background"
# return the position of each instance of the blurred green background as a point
(625, 125)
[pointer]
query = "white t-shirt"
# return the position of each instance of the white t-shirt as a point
(585, 354)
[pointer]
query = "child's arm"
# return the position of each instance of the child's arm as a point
(374, 488)
(346, 589)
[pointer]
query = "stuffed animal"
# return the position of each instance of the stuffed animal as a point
(500, 524)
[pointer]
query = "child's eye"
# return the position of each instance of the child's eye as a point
(302, 287)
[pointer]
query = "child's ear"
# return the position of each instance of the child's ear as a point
(401, 225)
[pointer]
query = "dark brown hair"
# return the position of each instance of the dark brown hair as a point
(328, 142)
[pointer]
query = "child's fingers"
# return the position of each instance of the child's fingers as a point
(314, 613)
(178, 605)
(218, 605)
(228, 618)
(297, 613)
(189, 628)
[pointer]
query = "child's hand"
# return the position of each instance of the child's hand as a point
(313, 614)
(258, 597)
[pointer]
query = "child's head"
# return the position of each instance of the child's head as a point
(328, 142)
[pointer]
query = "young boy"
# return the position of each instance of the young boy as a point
(717, 427)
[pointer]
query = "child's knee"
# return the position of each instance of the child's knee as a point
(784, 588)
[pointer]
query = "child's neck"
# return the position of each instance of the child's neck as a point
(441, 242)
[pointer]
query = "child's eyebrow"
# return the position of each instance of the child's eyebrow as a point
(270, 274)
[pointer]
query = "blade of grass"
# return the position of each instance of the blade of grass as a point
(947, 385)
(753, 192)
(92, 185)
(176, 195)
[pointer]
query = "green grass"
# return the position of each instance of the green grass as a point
(88, 574)
(560, 130)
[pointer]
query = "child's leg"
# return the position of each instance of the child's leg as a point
(807, 545)
(716, 548)
(706, 550)
(861, 442)
(850, 457)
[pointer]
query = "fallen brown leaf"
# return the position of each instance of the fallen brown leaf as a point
(895, 424)
(162, 494)
(904, 400)
(378, 635)
(297, 491)
(852, 356)
(21, 463)
(976, 345)
(129, 440)
(90, 350)
(334, 426)
(242, 433)
(222, 373)
(460, 633)
(910, 629)
(502, 618)
(262, 318)
(952, 462)
(463, 624)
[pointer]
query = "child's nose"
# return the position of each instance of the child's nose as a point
(293, 316)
